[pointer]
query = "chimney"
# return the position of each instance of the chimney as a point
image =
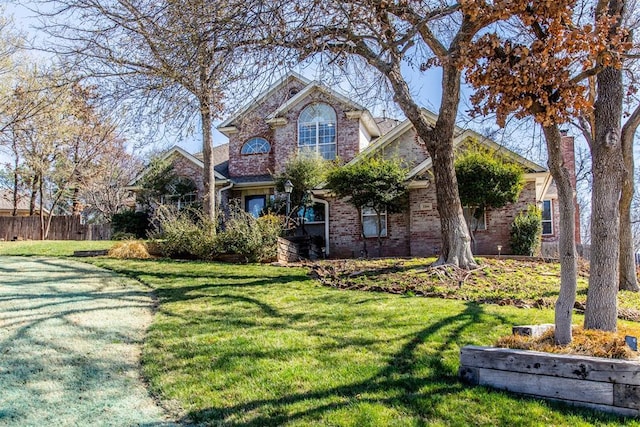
(569, 160)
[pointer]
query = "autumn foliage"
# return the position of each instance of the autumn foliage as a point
(543, 70)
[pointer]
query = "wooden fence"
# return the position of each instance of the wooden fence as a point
(62, 228)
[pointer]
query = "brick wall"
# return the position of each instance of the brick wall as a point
(345, 239)
(417, 231)
(188, 169)
(253, 125)
(407, 148)
(286, 137)
(499, 224)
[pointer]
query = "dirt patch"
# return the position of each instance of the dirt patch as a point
(70, 338)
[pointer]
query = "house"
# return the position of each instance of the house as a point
(6, 204)
(297, 116)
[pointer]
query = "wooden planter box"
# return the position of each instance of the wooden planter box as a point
(608, 385)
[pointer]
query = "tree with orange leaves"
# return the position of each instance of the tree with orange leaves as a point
(545, 75)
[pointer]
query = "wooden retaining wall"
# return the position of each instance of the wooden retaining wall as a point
(608, 385)
(62, 228)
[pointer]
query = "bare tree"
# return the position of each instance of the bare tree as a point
(387, 37)
(172, 58)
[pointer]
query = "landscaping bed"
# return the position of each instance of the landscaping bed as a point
(514, 282)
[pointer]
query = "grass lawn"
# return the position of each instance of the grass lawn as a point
(262, 345)
(52, 247)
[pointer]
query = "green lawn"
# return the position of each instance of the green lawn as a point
(52, 247)
(261, 345)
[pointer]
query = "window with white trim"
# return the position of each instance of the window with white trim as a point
(474, 223)
(317, 131)
(370, 222)
(547, 217)
(256, 146)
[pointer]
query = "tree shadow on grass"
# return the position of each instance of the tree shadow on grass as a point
(400, 374)
(414, 380)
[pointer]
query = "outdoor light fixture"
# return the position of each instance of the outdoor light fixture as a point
(499, 250)
(288, 188)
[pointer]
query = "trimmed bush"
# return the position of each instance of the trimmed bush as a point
(526, 231)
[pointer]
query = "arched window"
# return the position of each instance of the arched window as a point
(317, 130)
(256, 146)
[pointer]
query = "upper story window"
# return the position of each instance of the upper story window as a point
(317, 131)
(547, 217)
(256, 146)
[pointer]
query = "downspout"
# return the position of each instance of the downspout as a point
(326, 222)
(224, 189)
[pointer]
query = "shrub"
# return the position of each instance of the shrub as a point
(526, 231)
(121, 235)
(185, 234)
(254, 239)
(189, 234)
(130, 249)
(130, 223)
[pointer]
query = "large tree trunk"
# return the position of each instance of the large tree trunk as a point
(606, 154)
(209, 180)
(454, 234)
(456, 240)
(566, 237)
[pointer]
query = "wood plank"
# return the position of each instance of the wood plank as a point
(560, 365)
(626, 396)
(545, 386)
(624, 412)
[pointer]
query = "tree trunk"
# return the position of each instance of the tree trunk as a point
(76, 209)
(16, 178)
(628, 280)
(209, 180)
(566, 236)
(606, 154)
(365, 251)
(456, 240)
(34, 195)
(41, 192)
(454, 234)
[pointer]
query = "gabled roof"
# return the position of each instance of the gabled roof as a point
(460, 136)
(6, 202)
(294, 100)
(190, 157)
(254, 103)
(365, 116)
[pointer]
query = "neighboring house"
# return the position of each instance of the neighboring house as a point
(297, 116)
(6, 204)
